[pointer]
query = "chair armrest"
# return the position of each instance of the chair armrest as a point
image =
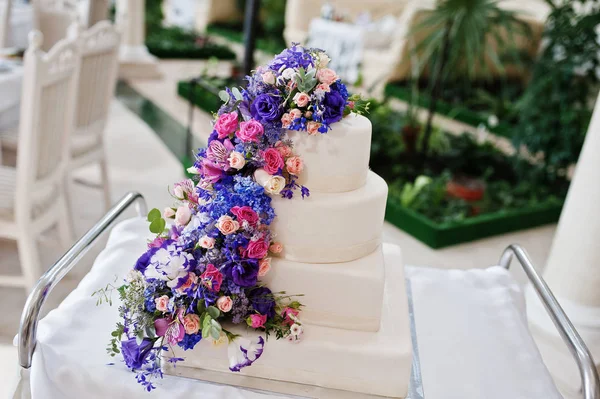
(37, 297)
(580, 352)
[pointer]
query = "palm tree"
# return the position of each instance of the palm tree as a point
(458, 43)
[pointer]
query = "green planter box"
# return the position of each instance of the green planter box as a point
(439, 235)
(205, 97)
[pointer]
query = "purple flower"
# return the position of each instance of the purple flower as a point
(246, 274)
(334, 105)
(266, 108)
(262, 301)
(243, 352)
(144, 261)
(134, 354)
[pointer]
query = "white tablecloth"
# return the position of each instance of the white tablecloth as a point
(471, 331)
(10, 94)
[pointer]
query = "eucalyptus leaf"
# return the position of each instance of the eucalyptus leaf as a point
(153, 215)
(206, 331)
(224, 96)
(237, 94)
(201, 307)
(206, 319)
(215, 332)
(213, 312)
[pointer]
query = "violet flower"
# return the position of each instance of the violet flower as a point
(243, 352)
(134, 354)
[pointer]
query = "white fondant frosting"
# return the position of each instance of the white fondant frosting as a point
(331, 227)
(342, 295)
(337, 161)
(375, 363)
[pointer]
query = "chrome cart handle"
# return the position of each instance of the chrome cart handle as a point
(37, 297)
(581, 353)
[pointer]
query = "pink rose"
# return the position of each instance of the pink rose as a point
(326, 76)
(294, 165)
(257, 249)
(301, 99)
(226, 124)
(276, 248)
(212, 278)
(162, 303)
(313, 127)
(207, 242)
(191, 280)
(286, 120)
(264, 266)
(295, 114)
(250, 131)
(227, 225)
(224, 304)
(236, 160)
(256, 320)
(191, 323)
(323, 87)
(183, 215)
(286, 315)
(273, 161)
(283, 149)
(245, 213)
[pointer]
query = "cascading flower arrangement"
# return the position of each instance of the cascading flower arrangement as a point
(203, 273)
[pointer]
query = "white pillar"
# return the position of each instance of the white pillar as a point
(573, 268)
(134, 59)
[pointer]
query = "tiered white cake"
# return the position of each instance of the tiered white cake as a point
(357, 336)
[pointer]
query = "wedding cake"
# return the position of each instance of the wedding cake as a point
(273, 274)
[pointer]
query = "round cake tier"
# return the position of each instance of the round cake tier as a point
(337, 161)
(331, 228)
(330, 290)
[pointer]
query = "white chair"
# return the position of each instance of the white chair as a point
(99, 48)
(5, 8)
(32, 195)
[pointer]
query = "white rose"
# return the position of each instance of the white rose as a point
(274, 185)
(268, 77)
(236, 160)
(323, 60)
(288, 73)
(183, 215)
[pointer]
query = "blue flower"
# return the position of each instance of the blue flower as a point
(334, 105)
(190, 340)
(262, 301)
(266, 108)
(134, 354)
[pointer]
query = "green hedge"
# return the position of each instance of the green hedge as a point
(459, 113)
(204, 98)
(234, 33)
(179, 43)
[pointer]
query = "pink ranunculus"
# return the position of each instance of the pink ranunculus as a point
(224, 304)
(191, 280)
(301, 99)
(183, 215)
(294, 165)
(191, 323)
(212, 278)
(250, 130)
(273, 161)
(162, 303)
(256, 320)
(227, 225)
(276, 248)
(326, 76)
(207, 242)
(245, 213)
(257, 249)
(226, 124)
(286, 120)
(295, 114)
(312, 127)
(287, 311)
(264, 266)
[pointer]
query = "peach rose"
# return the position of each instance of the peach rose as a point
(162, 303)
(183, 215)
(294, 165)
(168, 213)
(295, 114)
(276, 248)
(207, 242)
(283, 149)
(323, 87)
(224, 304)
(286, 120)
(268, 77)
(227, 225)
(326, 76)
(301, 99)
(236, 160)
(313, 128)
(191, 323)
(264, 266)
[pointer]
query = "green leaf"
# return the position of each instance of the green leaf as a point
(213, 312)
(237, 94)
(201, 307)
(153, 215)
(215, 333)
(157, 226)
(224, 96)
(206, 320)
(206, 331)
